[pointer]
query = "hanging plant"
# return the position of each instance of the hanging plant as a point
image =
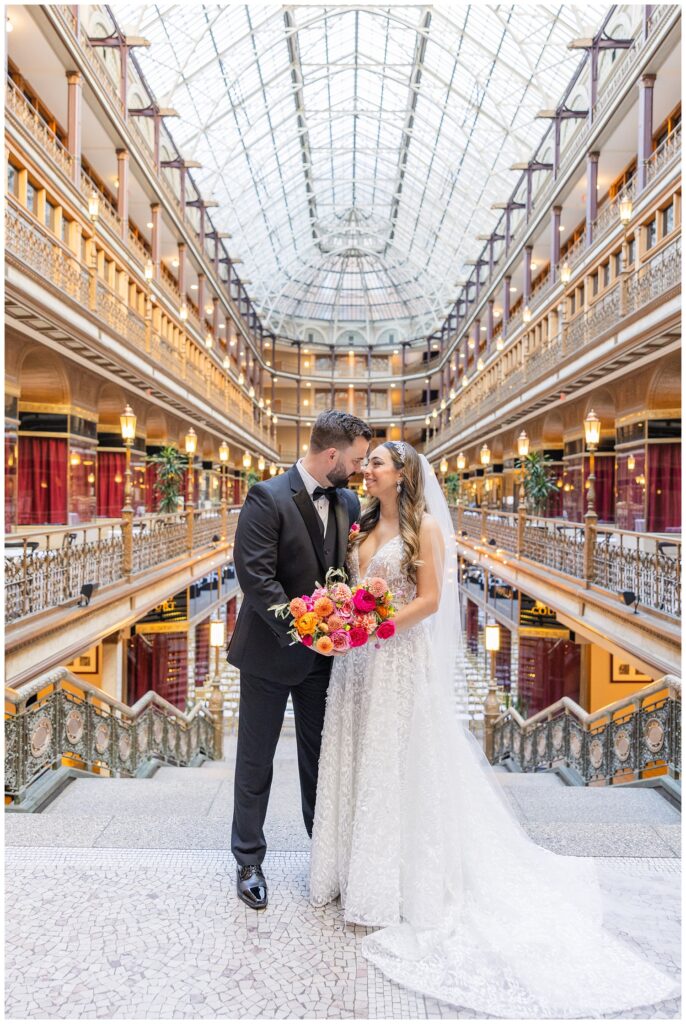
(539, 481)
(171, 466)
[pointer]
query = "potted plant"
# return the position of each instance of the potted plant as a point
(171, 465)
(251, 478)
(539, 483)
(452, 487)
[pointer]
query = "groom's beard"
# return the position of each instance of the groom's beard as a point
(337, 476)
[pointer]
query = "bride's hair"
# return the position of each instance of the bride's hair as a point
(411, 505)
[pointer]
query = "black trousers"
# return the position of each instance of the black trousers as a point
(260, 717)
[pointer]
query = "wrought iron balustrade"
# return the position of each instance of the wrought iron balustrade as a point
(158, 538)
(648, 565)
(555, 543)
(17, 105)
(623, 742)
(666, 154)
(59, 718)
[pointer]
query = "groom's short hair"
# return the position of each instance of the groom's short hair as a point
(333, 429)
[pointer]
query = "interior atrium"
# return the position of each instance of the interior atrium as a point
(460, 223)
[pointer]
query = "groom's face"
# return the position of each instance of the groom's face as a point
(346, 462)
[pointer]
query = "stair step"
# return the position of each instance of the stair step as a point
(595, 805)
(538, 780)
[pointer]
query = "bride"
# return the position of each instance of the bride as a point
(411, 829)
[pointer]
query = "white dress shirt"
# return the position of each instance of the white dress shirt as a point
(322, 503)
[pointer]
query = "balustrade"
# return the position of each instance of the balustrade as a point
(631, 739)
(16, 104)
(61, 718)
(666, 154)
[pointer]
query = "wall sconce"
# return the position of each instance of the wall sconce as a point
(565, 273)
(247, 460)
(461, 462)
(208, 340)
(523, 445)
(272, 469)
(485, 455)
(149, 270)
(526, 315)
(191, 442)
(427, 420)
(626, 209)
(94, 206)
(261, 463)
(443, 467)
(251, 392)
(183, 311)
(631, 463)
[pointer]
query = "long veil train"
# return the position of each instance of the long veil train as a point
(492, 921)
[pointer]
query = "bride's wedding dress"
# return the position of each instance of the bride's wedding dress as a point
(412, 831)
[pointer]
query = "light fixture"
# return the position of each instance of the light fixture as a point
(631, 463)
(443, 404)
(261, 403)
(208, 340)
(523, 445)
(485, 455)
(427, 420)
(565, 273)
(217, 632)
(127, 422)
(461, 462)
(191, 441)
(443, 466)
(479, 364)
(74, 459)
(435, 414)
(261, 464)
(500, 345)
(251, 392)
(183, 311)
(626, 209)
(526, 315)
(592, 430)
(492, 632)
(86, 593)
(629, 599)
(149, 270)
(275, 419)
(452, 394)
(241, 379)
(93, 206)
(247, 460)
(226, 362)
(465, 380)
(272, 469)
(91, 478)
(224, 452)
(149, 224)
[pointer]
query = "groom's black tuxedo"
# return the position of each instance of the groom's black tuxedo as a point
(280, 552)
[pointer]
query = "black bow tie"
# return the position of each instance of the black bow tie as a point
(324, 492)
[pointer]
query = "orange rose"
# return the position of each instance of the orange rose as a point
(382, 612)
(324, 645)
(323, 606)
(307, 623)
(323, 627)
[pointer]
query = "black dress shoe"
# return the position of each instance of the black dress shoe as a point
(251, 886)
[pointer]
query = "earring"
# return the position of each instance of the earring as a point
(399, 487)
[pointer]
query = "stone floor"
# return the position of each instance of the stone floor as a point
(120, 900)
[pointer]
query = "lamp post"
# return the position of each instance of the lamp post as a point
(491, 704)
(216, 700)
(191, 443)
(127, 421)
(485, 460)
(592, 437)
(443, 469)
(224, 453)
(522, 451)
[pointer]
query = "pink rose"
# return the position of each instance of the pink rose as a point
(357, 636)
(345, 610)
(377, 587)
(363, 600)
(355, 528)
(340, 640)
(307, 640)
(319, 592)
(340, 592)
(309, 602)
(385, 630)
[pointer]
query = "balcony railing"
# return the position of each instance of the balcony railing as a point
(666, 154)
(633, 738)
(45, 569)
(60, 719)
(493, 386)
(27, 115)
(604, 557)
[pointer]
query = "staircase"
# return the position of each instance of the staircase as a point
(121, 898)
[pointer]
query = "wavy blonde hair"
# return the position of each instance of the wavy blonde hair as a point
(411, 506)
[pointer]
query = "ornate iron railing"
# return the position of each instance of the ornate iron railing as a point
(60, 719)
(625, 741)
(604, 557)
(667, 152)
(158, 538)
(26, 114)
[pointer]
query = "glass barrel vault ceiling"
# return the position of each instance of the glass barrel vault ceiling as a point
(355, 153)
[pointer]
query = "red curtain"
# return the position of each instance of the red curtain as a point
(159, 662)
(664, 487)
(111, 475)
(42, 485)
(604, 487)
(202, 652)
(151, 497)
(548, 670)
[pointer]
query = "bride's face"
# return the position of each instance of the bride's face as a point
(381, 476)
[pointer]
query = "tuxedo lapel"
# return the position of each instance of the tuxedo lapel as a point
(341, 510)
(309, 514)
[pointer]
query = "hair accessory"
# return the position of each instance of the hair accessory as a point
(401, 448)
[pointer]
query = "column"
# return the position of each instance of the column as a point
(489, 325)
(477, 339)
(592, 193)
(123, 191)
(114, 650)
(645, 128)
(155, 236)
(555, 241)
(507, 281)
(182, 270)
(74, 96)
(215, 316)
(201, 297)
(403, 363)
(297, 404)
(528, 249)
(369, 380)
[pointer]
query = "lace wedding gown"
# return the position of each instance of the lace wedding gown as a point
(413, 833)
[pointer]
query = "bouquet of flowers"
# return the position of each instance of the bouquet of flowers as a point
(336, 617)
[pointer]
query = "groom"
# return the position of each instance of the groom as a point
(291, 529)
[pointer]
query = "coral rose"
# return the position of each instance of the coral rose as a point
(335, 622)
(297, 607)
(324, 645)
(357, 636)
(306, 640)
(340, 640)
(382, 612)
(377, 587)
(341, 592)
(323, 607)
(363, 600)
(385, 630)
(307, 623)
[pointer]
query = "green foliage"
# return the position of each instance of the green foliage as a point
(452, 487)
(171, 465)
(251, 477)
(539, 482)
